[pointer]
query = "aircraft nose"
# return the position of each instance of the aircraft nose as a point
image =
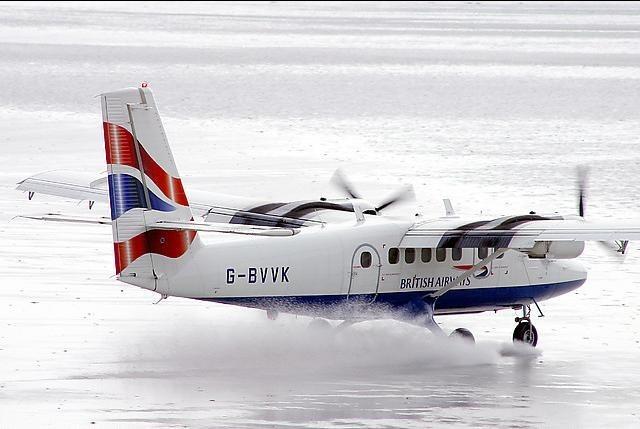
(572, 270)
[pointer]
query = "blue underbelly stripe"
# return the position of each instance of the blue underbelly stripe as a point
(460, 300)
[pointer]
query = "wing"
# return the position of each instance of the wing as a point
(515, 232)
(86, 187)
(55, 217)
(66, 184)
(223, 228)
(214, 207)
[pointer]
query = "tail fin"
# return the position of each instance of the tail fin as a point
(144, 187)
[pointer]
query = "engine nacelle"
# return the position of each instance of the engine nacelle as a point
(556, 249)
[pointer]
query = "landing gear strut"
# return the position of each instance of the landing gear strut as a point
(427, 308)
(525, 332)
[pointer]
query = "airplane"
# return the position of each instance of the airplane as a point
(338, 259)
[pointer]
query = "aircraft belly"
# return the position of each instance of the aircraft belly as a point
(455, 301)
(482, 299)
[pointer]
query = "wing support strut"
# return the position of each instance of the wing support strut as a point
(468, 273)
(622, 246)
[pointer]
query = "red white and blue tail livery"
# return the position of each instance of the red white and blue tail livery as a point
(144, 188)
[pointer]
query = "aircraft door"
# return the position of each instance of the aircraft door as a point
(365, 274)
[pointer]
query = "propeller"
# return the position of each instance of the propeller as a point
(403, 194)
(341, 181)
(615, 249)
(582, 189)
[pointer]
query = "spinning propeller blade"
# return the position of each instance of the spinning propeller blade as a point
(615, 249)
(582, 190)
(403, 194)
(340, 180)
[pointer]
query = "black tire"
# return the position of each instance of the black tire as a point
(463, 334)
(319, 325)
(526, 333)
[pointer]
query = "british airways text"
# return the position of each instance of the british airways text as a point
(416, 282)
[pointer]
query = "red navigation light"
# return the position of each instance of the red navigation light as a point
(144, 84)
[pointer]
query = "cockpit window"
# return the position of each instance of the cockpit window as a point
(483, 252)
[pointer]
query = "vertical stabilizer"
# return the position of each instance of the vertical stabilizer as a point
(144, 187)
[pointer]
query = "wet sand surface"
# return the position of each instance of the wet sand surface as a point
(491, 105)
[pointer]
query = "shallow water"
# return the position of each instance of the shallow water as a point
(491, 105)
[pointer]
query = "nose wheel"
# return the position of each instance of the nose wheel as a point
(525, 332)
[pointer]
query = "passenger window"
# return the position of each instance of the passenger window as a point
(482, 252)
(409, 256)
(456, 254)
(425, 255)
(394, 255)
(441, 254)
(365, 260)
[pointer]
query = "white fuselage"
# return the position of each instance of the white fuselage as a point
(322, 270)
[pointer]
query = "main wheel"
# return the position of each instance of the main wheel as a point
(463, 334)
(525, 332)
(319, 325)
